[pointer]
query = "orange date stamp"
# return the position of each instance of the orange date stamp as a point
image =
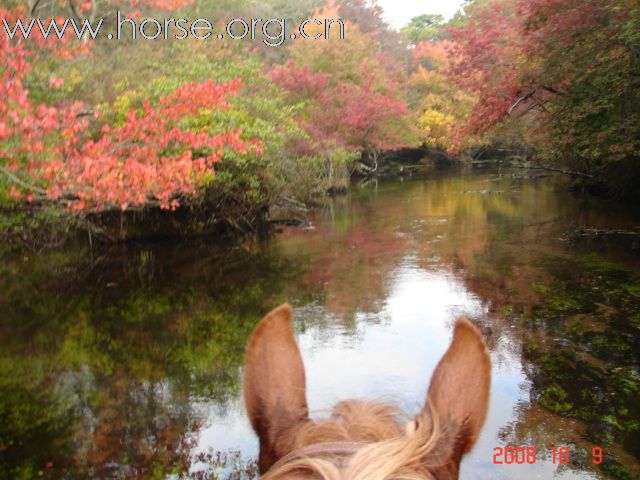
(528, 455)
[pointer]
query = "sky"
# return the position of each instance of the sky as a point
(399, 12)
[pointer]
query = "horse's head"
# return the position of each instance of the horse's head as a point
(362, 440)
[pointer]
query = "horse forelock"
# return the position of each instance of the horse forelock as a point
(363, 440)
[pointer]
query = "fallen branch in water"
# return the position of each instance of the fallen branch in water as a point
(298, 205)
(289, 222)
(596, 232)
(562, 170)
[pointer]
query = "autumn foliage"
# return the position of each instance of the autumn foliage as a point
(340, 113)
(558, 76)
(440, 104)
(352, 89)
(130, 145)
(26, 126)
(95, 126)
(154, 158)
(150, 158)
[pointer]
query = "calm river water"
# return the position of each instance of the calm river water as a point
(127, 363)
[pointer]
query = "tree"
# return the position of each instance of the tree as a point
(354, 97)
(424, 27)
(587, 77)
(488, 61)
(367, 16)
(157, 156)
(562, 75)
(25, 126)
(438, 102)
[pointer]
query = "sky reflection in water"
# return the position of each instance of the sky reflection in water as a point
(391, 357)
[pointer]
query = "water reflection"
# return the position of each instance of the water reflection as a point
(128, 365)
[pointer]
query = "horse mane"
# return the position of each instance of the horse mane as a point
(389, 448)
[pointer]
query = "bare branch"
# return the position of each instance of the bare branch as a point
(524, 98)
(539, 104)
(74, 10)
(553, 90)
(33, 8)
(561, 170)
(22, 183)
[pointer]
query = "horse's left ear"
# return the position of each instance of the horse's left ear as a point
(274, 385)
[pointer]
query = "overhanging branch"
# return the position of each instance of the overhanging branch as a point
(523, 98)
(14, 179)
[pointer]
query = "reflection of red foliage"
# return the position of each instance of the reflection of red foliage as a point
(355, 266)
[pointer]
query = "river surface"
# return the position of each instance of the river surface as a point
(127, 362)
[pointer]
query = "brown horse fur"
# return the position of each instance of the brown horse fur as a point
(362, 440)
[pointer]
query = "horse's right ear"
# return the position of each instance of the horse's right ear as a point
(274, 384)
(459, 392)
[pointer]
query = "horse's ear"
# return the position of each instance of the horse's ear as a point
(274, 384)
(459, 390)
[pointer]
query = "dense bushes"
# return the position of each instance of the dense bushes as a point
(99, 127)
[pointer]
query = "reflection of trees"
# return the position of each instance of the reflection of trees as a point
(574, 317)
(349, 257)
(544, 430)
(455, 223)
(583, 339)
(132, 429)
(99, 363)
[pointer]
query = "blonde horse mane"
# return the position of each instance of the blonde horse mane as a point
(388, 450)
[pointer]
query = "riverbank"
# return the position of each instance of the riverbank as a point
(41, 225)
